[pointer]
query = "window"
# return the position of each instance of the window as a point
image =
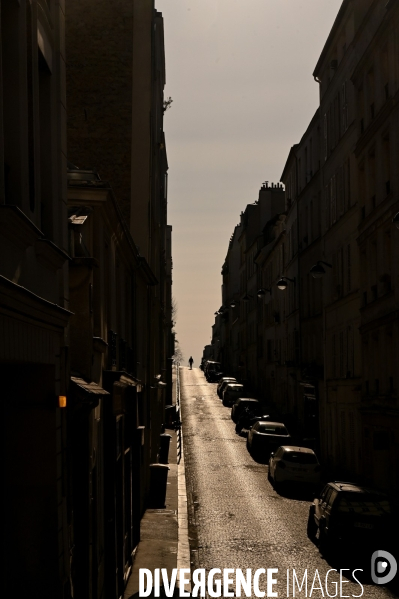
(344, 100)
(349, 352)
(370, 93)
(296, 457)
(333, 198)
(385, 72)
(340, 191)
(372, 179)
(333, 357)
(332, 497)
(348, 269)
(347, 186)
(386, 157)
(326, 495)
(325, 132)
(341, 354)
(45, 138)
(269, 429)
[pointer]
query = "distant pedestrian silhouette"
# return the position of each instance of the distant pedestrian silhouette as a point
(190, 361)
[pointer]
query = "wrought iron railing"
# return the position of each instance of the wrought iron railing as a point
(178, 412)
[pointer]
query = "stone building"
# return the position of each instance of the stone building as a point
(85, 313)
(376, 158)
(109, 424)
(327, 263)
(34, 306)
(115, 82)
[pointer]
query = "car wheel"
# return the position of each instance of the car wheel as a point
(312, 526)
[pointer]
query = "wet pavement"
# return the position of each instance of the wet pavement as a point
(238, 520)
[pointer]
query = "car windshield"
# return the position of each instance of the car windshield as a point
(297, 457)
(368, 504)
(272, 430)
(235, 387)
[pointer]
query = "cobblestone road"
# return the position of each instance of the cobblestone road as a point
(237, 520)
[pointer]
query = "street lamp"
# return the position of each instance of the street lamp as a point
(317, 270)
(262, 292)
(395, 220)
(282, 283)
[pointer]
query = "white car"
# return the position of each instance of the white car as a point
(291, 464)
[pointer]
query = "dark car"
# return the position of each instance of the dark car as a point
(349, 512)
(213, 371)
(239, 406)
(232, 392)
(225, 380)
(265, 436)
(247, 420)
(214, 376)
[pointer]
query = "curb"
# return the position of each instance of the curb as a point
(183, 547)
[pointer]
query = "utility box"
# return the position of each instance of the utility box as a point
(170, 416)
(164, 448)
(158, 482)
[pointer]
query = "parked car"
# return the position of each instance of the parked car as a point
(222, 384)
(247, 420)
(232, 392)
(349, 512)
(239, 406)
(214, 376)
(290, 464)
(265, 436)
(212, 369)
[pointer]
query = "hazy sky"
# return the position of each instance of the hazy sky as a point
(240, 76)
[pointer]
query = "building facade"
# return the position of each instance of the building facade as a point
(34, 305)
(85, 313)
(327, 273)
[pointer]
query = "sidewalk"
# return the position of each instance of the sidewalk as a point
(164, 532)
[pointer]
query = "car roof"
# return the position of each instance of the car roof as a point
(249, 399)
(354, 488)
(297, 449)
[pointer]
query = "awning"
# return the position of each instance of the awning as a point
(133, 382)
(89, 387)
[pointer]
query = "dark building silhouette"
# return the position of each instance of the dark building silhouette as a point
(85, 288)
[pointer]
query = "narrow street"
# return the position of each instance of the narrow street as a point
(237, 519)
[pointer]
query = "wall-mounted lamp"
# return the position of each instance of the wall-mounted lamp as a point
(246, 297)
(262, 291)
(317, 270)
(62, 401)
(395, 220)
(234, 303)
(282, 284)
